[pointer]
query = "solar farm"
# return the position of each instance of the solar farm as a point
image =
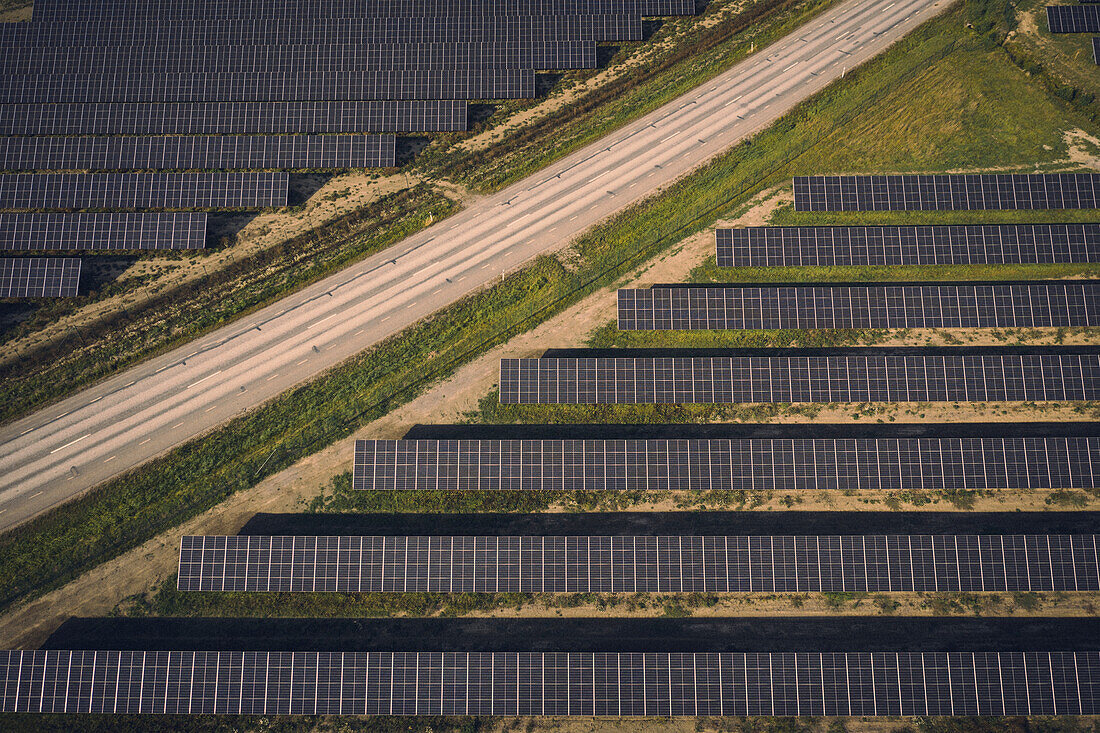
(124, 93)
(822, 458)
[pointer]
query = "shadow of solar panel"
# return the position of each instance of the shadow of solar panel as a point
(113, 231)
(947, 192)
(142, 190)
(744, 464)
(39, 277)
(180, 59)
(744, 379)
(223, 151)
(268, 87)
(1073, 18)
(993, 244)
(640, 564)
(560, 683)
(325, 31)
(57, 10)
(212, 118)
(1026, 305)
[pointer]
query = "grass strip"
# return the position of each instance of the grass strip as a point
(125, 512)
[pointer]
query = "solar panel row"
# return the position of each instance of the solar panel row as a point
(177, 59)
(1096, 49)
(640, 564)
(55, 10)
(863, 306)
(745, 464)
(39, 277)
(238, 118)
(325, 31)
(992, 244)
(142, 190)
(1073, 18)
(222, 151)
(711, 380)
(947, 192)
(551, 683)
(114, 231)
(234, 87)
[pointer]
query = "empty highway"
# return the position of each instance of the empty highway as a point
(59, 451)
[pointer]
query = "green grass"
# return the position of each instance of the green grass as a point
(874, 101)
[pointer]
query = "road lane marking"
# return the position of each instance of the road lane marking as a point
(82, 437)
(145, 441)
(175, 426)
(303, 361)
(208, 376)
(34, 495)
(271, 377)
(110, 459)
(318, 323)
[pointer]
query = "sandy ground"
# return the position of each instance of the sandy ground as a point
(100, 590)
(13, 15)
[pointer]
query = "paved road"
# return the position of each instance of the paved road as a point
(66, 448)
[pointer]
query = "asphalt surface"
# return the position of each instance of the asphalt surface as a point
(62, 450)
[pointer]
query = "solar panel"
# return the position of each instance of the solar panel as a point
(313, 59)
(325, 31)
(223, 151)
(114, 231)
(947, 192)
(213, 118)
(740, 379)
(39, 277)
(992, 244)
(142, 190)
(1096, 49)
(56, 10)
(744, 464)
(640, 564)
(551, 683)
(1031, 305)
(1073, 18)
(269, 87)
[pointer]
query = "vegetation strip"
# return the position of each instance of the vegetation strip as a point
(122, 514)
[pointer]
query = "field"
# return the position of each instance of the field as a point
(946, 98)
